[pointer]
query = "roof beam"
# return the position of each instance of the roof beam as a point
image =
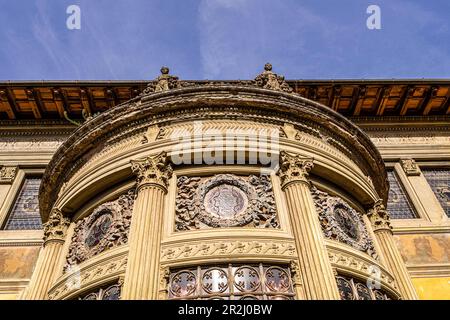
(86, 100)
(6, 106)
(34, 105)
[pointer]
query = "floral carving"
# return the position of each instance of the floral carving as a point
(379, 217)
(154, 170)
(341, 222)
(226, 248)
(56, 226)
(410, 167)
(106, 227)
(225, 200)
(7, 174)
(270, 80)
(293, 167)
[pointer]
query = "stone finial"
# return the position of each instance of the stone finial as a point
(294, 167)
(153, 170)
(410, 167)
(163, 83)
(270, 80)
(56, 226)
(379, 217)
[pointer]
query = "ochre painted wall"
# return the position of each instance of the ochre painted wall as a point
(432, 288)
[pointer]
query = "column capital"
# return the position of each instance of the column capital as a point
(56, 226)
(379, 217)
(294, 167)
(410, 167)
(153, 170)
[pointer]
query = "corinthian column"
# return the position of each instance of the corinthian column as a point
(382, 229)
(315, 268)
(43, 276)
(141, 277)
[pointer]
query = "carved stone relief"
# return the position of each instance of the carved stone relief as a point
(106, 227)
(7, 174)
(341, 222)
(225, 200)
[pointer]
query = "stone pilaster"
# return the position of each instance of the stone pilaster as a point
(382, 229)
(143, 267)
(44, 273)
(314, 265)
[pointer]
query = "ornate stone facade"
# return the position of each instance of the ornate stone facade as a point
(225, 200)
(340, 222)
(105, 228)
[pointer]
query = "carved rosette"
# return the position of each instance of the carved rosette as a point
(293, 168)
(410, 167)
(56, 226)
(105, 228)
(225, 200)
(379, 217)
(340, 222)
(153, 170)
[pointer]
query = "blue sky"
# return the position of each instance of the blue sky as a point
(223, 39)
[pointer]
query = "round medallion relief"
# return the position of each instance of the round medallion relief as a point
(346, 222)
(226, 201)
(98, 230)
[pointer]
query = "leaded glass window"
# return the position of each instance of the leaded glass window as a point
(398, 204)
(232, 282)
(439, 181)
(354, 289)
(111, 292)
(25, 213)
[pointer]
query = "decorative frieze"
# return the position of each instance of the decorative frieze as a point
(340, 222)
(225, 200)
(105, 228)
(227, 248)
(7, 174)
(82, 277)
(410, 167)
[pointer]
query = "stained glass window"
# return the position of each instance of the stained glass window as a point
(232, 282)
(398, 204)
(111, 292)
(439, 181)
(25, 213)
(354, 289)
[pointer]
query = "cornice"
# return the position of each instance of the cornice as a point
(200, 101)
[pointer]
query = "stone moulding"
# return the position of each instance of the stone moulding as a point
(93, 272)
(354, 263)
(172, 253)
(231, 99)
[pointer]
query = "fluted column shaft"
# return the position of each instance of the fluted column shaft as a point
(142, 274)
(43, 276)
(315, 268)
(379, 218)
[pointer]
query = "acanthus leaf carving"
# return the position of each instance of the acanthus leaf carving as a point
(293, 167)
(379, 217)
(153, 170)
(7, 174)
(56, 226)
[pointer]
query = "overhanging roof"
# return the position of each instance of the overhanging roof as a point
(366, 98)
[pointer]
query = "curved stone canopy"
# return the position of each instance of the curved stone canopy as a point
(233, 101)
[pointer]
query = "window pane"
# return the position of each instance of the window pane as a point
(439, 180)
(398, 203)
(25, 213)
